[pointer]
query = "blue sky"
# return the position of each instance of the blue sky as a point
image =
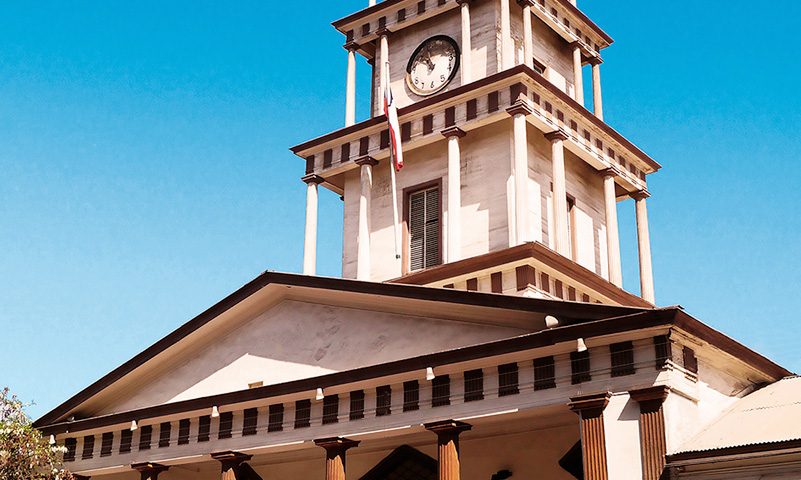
(145, 171)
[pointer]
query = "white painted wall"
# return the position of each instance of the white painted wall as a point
(296, 340)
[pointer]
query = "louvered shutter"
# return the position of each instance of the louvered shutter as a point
(424, 229)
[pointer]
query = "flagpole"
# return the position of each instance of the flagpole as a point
(395, 222)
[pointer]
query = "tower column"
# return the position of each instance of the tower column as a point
(230, 463)
(590, 409)
(597, 95)
(507, 48)
(310, 238)
(366, 165)
(335, 449)
(383, 69)
(528, 33)
(644, 247)
(454, 252)
(518, 111)
(448, 432)
(578, 80)
(467, 48)
(612, 232)
(557, 139)
(350, 87)
(149, 470)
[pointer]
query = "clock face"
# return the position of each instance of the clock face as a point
(433, 65)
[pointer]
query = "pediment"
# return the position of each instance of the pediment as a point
(294, 340)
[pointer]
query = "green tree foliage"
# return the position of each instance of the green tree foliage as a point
(24, 453)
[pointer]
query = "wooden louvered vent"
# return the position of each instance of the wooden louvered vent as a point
(424, 229)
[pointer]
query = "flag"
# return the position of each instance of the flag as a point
(391, 111)
(396, 155)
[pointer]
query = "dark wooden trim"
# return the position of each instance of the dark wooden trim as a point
(472, 284)
(534, 250)
(447, 95)
(496, 282)
(598, 320)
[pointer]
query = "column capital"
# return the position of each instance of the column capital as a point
(652, 397)
(640, 194)
(312, 178)
(590, 405)
(463, 2)
(527, 3)
(560, 135)
(366, 160)
(448, 427)
(383, 32)
(596, 60)
(351, 46)
(336, 445)
(149, 469)
(230, 459)
(453, 132)
(519, 108)
(609, 172)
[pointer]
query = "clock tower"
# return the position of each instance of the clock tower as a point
(511, 179)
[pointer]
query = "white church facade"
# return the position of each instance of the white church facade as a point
(485, 335)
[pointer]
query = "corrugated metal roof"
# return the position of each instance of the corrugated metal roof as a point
(769, 415)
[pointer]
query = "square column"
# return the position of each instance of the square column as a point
(467, 47)
(578, 77)
(557, 139)
(350, 86)
(612, 232)
(528, 33)
(335, 449)
(518, 111)
(590, 409)
(448, 432)
(644, 247)
(507, 47)
(653, 444)
(597, 95)
(310, 237)
(149, 470)
(366, 164)
(454, 251)
(231, 464)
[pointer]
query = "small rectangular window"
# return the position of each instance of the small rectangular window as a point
(544, 373)
(71, 444)
(622, 358)
(424, 228)
(88, 447)
(275, 418)
(441, 391)
(126, 439)
(357, 405)
(508, 381)
(303, 414)
(106, 445)
(145, 437)
(580, 367)
(164, 434)
(204, 429)
(383, 401)
(183, 431)
(251, 422)
(473, 385)
(226, 425)
(411, 396)
(330, 409)
(662, 351)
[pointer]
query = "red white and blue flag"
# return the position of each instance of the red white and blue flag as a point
(391, 111)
